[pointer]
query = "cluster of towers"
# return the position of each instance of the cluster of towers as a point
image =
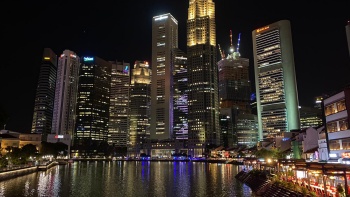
(188, 97)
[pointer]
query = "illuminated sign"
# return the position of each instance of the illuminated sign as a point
(46, 58)
(262, 29)
(87, 59)
(332, 155)
(74, 56)
(62, 55)
(126, 69)
(160, 18)
(58, 136)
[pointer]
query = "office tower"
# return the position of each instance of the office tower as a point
(234, 95)
(347, 29)
(276, 88)
(64, 113)
(164, 39)
(140, 101)
(203, 103)
(45, 94)
(180, 95)
(119, 104)
(91, 130)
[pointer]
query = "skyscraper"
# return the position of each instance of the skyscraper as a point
(347, 29)
(64, 113)
(164, 39)
(45, 94)
(119, 104)
(203, 103)
(92, 105)
(234, 94)
(180, 95)
(276, 87)
(140, 101)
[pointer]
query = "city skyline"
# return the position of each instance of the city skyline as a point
(325, 47)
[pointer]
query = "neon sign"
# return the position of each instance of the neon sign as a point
(262, 29)
(87, 59)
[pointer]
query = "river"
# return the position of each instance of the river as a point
(130, 179)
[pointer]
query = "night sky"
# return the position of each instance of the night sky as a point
(121, 30)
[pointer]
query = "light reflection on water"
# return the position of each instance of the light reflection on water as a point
(130, 179)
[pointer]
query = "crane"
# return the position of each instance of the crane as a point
(221, 53)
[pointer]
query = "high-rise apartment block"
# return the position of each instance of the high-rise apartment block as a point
(203, 103)
(92, 105)
(140, 101)
(164, 40)
(275, 79)
(119, 104)
(64, 113)
(45, 94)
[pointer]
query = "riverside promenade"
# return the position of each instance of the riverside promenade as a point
(307, 178)
(8, 173)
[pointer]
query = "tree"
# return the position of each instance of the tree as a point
(3, 162)
(28, 150)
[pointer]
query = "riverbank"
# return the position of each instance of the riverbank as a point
(228, 161)
(13, 173)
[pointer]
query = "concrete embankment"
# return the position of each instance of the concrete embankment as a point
(262, 186)
(9, 174)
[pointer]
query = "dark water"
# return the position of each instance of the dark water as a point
(130, 179)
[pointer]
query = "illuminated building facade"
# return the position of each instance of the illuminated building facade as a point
(203, 102)
(118, 127)
(45, 94)
(180, 95)
(164, 40)
(92, 105)
(140, 101)
(337, 110)
(247, 130)
(66, 90)
(276, 88)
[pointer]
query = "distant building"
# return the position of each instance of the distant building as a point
(180, 95)
(275, 79)
(318, 102)
(203, 103)
(66, 90)
(118, 132)
(337, 110)
(247, 130)
(92, 106)
(164, 40)
(140, 101)
(310, 117)
(45, 94)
